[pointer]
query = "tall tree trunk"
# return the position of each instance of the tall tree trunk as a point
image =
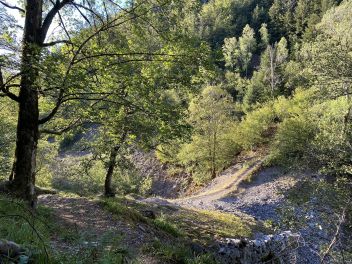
(23, 178)
(109, 192)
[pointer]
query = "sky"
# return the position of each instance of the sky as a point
(20, 19)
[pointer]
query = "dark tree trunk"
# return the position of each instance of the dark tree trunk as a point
(23, 178)
(109, 192)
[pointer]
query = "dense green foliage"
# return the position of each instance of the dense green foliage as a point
(298, 97)
(221, 77)
(212, 146)
(7, 138)
(196, 82)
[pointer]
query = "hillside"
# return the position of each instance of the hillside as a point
(176, 131)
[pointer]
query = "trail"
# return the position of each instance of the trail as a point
(85, 221)
(222, 186)
(260, 197)
(243, 189)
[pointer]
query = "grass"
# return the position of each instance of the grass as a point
(20, 225)
(122, 209)
(163, 223)
(104, 250)
(201, 226)
(206, 226)
(35, 231)
(178, 253)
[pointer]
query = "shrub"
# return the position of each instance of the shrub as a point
(251, 131)
(292, 141)
(332, 144)
(212, 146)
(318, 136)
(79, 175)
(7, 137)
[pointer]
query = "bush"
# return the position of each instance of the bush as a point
(292, 141)
(79, 175)
(46, 159)
(314, 135)
(7, 137)
(212, 146)
(251, 132)
(332, 144)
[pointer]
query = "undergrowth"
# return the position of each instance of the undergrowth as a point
(190, 224)
(34, 232)
(178, 253)
(22, 226)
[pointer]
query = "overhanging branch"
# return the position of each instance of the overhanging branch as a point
(53, 43)
(59, 132)
(50, 16)
(5, 89)
(12, 7)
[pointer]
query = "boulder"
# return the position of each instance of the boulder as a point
(149, 214)
(9, 249)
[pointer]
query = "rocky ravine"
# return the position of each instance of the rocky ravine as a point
(232, 193)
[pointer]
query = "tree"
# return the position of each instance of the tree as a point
(34, 35)
(328, 61)
(264, 36)
(211, 148)
(273, 62)
(231, 52)
(148, 105)
(76, 81)
(247, 46)
(282, 18)
(238, 53)
(296, 20)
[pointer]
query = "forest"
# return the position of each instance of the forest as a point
(176, 131)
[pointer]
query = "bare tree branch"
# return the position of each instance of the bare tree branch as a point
(50, 16)
(53, 43)
(335, 238)
(89, 9)
(148, 54)
(12, 7)
(5, 89)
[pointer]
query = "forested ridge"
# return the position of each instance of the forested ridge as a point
(164, 131)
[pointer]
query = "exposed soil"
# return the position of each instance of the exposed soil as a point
(236, 191)
(88, 219)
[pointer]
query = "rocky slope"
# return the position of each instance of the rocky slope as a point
(248, 189)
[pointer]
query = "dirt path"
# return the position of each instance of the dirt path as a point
(222, 186)
(228, 193)
(85, 221)
(232, 193)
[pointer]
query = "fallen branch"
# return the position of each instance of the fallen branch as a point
(335, 238)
